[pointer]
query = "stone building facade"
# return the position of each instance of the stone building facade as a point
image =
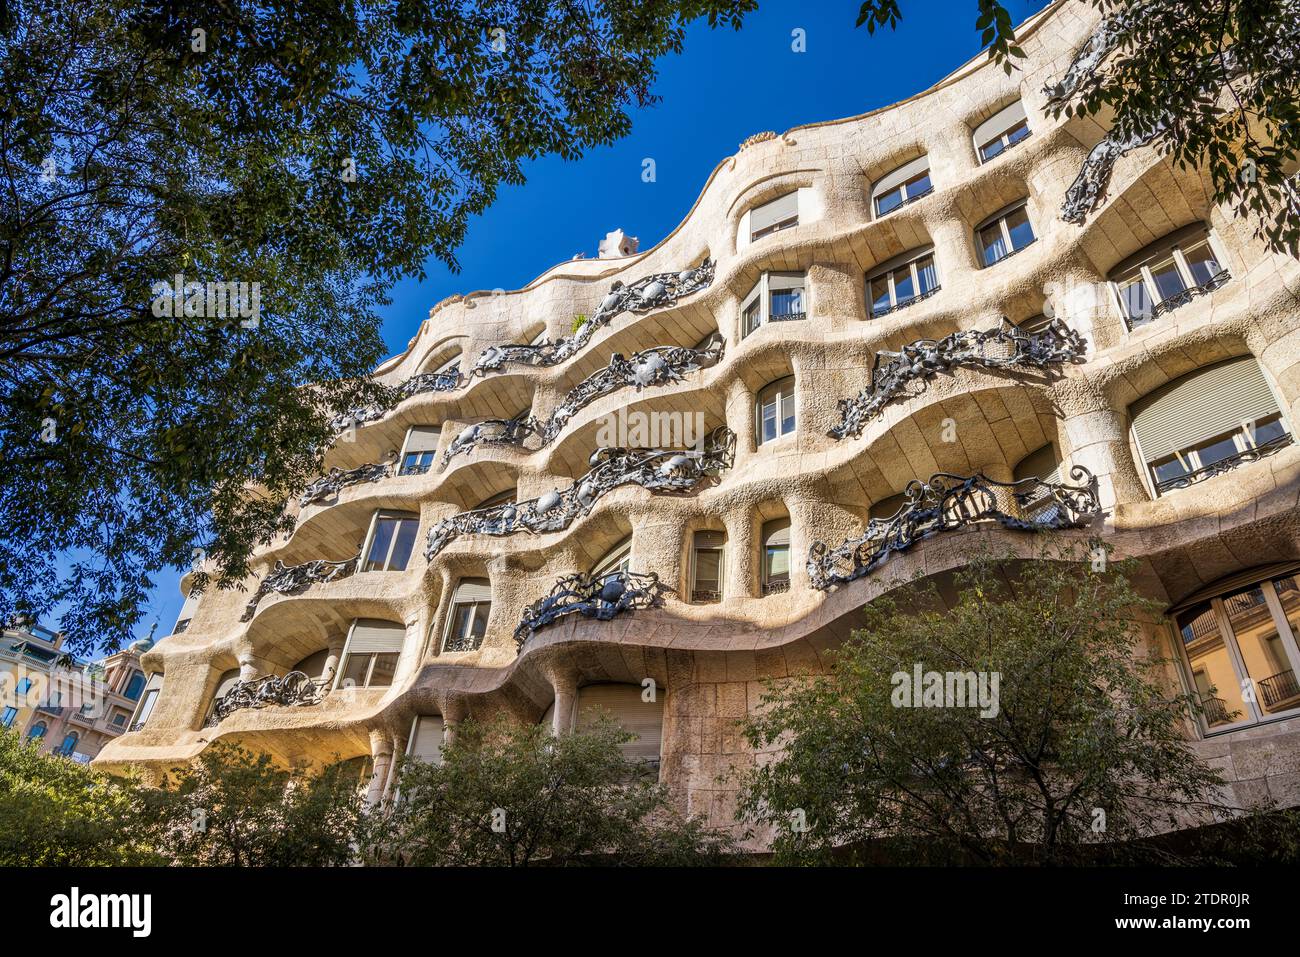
(848, 308)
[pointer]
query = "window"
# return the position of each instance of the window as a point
(391, 540)
(708, 561)
(119, 719)
(69, 743)
(425, 740)
(1167, 275)
(1001, 131)
(1206, 423)
(500, 498)
(776, 556)
(902, 281)
(225, 684)
(905, 184)
(777, 297)
(7, 718)
(626, 705)
(1005, 233)
(370, 654)
(774, 411)
(1043, 464)
(23, 686)
(37, 731)
(134, 686)
(147, 702)
(1239, 651)
(188, 610)
(617, 559)
(471, 604)
(780, 213)
(419, 449)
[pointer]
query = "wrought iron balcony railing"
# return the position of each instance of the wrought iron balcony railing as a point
(662, 471)
(285, 580)
(329, 485)
(447, 381)
(650, 292)
(601, 597)
(1166, 306)
(948, 502)
(1216, 710)
(904, 303)
(907, 201)
(1279, 688)
(787, 316)
(491, 432)
(1225, 464)
(1005, 347)
(776, 586)
(291, 690)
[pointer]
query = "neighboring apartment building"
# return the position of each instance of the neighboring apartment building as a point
(849, 307)
(72, 707)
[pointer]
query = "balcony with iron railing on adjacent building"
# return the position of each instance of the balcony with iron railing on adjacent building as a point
(1280, 691)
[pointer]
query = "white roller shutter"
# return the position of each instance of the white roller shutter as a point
(777, 211)
(422, 438)
(901, 175)
(228, 680)
(999, 123)
(778, 281)
(623, 703)
(1043, 464)
(1200, 406)
(473, 590)
(425, 742)
(375, 635)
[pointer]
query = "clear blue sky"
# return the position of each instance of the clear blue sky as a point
(725, 86)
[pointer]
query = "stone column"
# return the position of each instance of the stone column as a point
(398, 747)
(566, 698)
(332, 660)
(381, 753)
(453, 712)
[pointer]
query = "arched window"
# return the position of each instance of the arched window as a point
(774, 411)
(471, 604)
(1003, 130)
(1241, 634)
(626, 704)
(902, 281)
(500, 498)
(617, 559)
(773, 216)
(1167, 274)
(225, 683)
(776, 556)
(708, 564)
(1207, 422)
(69, 743)
(1004, 233)
(909, 182)
(313, 666)
(37, 731)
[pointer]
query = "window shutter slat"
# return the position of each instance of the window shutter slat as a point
(1042, 464)
(623, 703)
(999, 123)
(778, 210)
(426, 739)
(423, 438)
(1200, 406)
(473, 589)
(901, 175)
(710, 539)
(776, 532)
(377, 636)
(785, 280)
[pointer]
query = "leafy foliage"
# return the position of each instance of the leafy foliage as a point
(319, 150)
(565, 801)
(1087, 751)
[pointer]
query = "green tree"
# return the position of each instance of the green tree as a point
(514, 796)
(1085, 755)
(57, 813)
(231, 807)
(1211, 85)
(316, 149)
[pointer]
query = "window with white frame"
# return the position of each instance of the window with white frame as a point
(774, 411)
(776, 297)
(1238, 649)
(1207, 422)
(390, 541)
(188, 610)
(902, 281)
(370, 653)
(708, 561)
(909, 182)
(1001, 131)
(471, 604)
(1004, 233)
(147, 701)
(776, 557)
(780, 213)
(617, 559)
(1167, 274)
(627, 706)
(419, 449)
(425, 740)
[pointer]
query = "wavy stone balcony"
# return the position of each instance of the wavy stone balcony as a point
(292, 690)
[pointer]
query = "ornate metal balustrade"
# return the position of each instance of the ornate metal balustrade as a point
(491, 432)
(878, 313)
(1166, 306)
(291, 690)
(592, 596)
(650, 292)
(331, 483)
(285, 580)
(1006, 347)
(1225, 464)
(447, 381)
(948, 502)
(663, 471)
(1278, 688)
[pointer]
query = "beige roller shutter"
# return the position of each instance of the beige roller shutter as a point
(1043, 464)
(999, 123)
(375, 635)
(776, 532)
(901, 175)
(710, 539)
(155, 682)
(1201, 405)
(472, 590)
(785, 280)
(425, 742)
(422, 438)
(623, 703)
(228, 680)
(777, 211)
